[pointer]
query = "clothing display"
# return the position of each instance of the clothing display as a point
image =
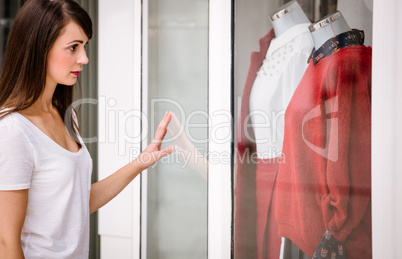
(282, 69)
(59, 182)
(267, 93)
(325, 180)
(245, 237)
(273, 87)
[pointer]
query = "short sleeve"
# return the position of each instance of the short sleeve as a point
(16, 159)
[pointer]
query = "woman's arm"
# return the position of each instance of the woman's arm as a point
(105, 190)
(13, 207)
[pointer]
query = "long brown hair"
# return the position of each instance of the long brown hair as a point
(23, 73)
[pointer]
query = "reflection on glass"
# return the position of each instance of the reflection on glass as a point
(185, 150)
(177, 188)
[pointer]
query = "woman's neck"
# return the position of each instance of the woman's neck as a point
(288, 16)
(45, 100)
(327, 28)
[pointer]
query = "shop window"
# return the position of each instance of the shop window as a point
(303, 171)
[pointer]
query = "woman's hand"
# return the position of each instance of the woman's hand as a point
(105, 190)
(152, 152)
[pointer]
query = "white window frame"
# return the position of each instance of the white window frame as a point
(219, 94)
(386, 129)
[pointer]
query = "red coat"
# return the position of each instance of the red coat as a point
(325, 181)
(245, 240)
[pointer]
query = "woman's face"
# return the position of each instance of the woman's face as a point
(67, 55)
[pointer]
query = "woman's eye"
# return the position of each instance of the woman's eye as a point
(72, 48)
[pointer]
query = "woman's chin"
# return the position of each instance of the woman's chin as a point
(69, 82)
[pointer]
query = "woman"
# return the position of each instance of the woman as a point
(45, 169)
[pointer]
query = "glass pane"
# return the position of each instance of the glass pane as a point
(303, 171)
(178, 76)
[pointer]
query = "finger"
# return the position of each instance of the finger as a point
(162, 129)
(165, 121)
(157, 155)
(166, 151)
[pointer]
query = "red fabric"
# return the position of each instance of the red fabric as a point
(268, 240)
(245, 240)
(325, 181)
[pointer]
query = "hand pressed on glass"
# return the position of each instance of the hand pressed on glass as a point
(152, 153)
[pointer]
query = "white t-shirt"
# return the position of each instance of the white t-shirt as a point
(276, 81)
(59, 183)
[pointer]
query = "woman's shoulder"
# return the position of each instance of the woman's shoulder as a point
(7, 118)
(16, 137)
(12, 126)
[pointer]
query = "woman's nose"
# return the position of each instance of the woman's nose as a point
(83, 59)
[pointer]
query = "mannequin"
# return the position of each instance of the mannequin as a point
(328, 27)
(288, 16)
(329, 154)
(272, 89)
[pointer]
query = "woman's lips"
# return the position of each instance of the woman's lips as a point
(76, 73)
